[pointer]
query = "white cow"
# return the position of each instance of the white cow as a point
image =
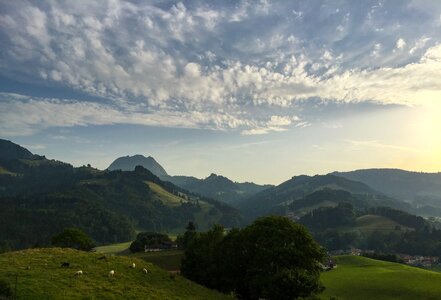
(79, 273)
(133, 265)
(111, 273)
(145, 270)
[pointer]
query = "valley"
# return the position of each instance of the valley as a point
(113, 205)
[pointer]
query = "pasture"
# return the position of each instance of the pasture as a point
(168, 259)
(40, 275)
(367, 279)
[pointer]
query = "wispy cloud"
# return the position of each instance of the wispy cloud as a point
(35, 147)
(377, 144)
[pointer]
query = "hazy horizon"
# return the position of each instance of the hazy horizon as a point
(254, 91)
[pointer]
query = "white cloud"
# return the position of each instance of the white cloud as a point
(279, 121)
(188, 65)
(419, 44)
(22, 115)
(401, 43)
(377, 49)
(376, 144)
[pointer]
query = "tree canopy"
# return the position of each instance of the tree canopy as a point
(273, 258)
(149, 239)
(73, 238)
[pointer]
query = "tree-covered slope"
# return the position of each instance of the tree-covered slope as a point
(312, 191)
(218, 187)
(9, 150)
(47, 196)
(382, 229)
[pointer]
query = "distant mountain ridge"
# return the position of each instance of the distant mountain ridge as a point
(416, 187)
(214, 186)
(128, 163)
(218, 187)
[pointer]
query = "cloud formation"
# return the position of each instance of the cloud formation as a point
(213, 65)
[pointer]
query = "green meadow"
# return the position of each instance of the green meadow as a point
(365, 279)
(168, 259)
(39, 275)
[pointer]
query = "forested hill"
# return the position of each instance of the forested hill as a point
(47, 196)
(9, 150)
(218, 187)
(298, 193)
(382, 229)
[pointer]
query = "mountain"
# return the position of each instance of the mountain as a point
(9, 150)
(214, 186)
(416, 187)
(218, 187)
(128, 163)
(301, 191)
(47, 196)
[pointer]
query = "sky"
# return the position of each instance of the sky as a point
(253, 90)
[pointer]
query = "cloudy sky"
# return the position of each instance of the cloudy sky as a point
(255, 91)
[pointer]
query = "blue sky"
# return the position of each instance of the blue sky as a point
(253, 90)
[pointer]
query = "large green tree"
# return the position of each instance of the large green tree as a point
(73, 238)
(273, 258)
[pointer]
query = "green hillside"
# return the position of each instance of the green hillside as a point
(167, 259)
(47, 196)
(46, 279)
(364, 279)
(164, 196)
(302, 193)
(371, 223)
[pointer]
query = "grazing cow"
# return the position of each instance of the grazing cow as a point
(111, 273)
(133, 265)
(78, 273)
(65, 265)
(145, 270)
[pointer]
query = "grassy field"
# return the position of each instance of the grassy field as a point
(370, 223)
(169, 260)
(363, 278)
(163, 195)
(3, 171)
(46, 279)
(114, 248)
